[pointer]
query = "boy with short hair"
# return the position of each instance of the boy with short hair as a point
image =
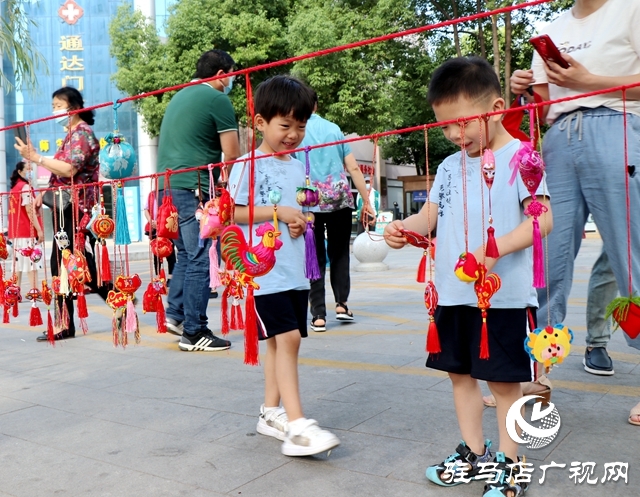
(460, 88)
(283, 105)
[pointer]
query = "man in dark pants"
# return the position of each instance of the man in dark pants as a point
(198, 126)
(333, 215)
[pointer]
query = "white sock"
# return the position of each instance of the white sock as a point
(295, 426)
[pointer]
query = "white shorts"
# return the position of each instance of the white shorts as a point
(24, 263)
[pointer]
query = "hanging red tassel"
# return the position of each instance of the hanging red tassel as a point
(2, 286)
(105, 265)
(84, 326)
(224, 312)
(433, 340)
(492, 246)
(15, 310)
(82, 306)
(50, 335)
(422, 268)
(35, 317)
(233, 325)
(538, 257)
(5, 315)
(484, 338)
(161, 317)
(239, 318)
(251, 331)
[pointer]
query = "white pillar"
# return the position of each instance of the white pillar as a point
(3, 161)
(147, 146)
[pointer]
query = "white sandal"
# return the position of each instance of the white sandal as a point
(635, 411)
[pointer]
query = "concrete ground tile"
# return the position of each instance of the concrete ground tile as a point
(69, 398)
(9, 405)
(370, 454)
(315, 478)
(32, 470)
(18, 381)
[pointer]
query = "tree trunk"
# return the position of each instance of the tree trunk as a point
(483, 47)
(496, 44)
(456, 37)
(507, 57)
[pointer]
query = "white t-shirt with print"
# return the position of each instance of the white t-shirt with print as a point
(606, 42)
(274, 174)
(516, 269)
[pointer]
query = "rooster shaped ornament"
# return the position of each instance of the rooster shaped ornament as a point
(250, 263)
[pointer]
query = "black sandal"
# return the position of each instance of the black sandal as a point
(318, 327)
(347, 315)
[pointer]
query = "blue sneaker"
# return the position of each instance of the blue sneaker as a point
(463, 463)
(508, 482)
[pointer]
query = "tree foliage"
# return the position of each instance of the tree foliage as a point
(16, 43)
(364, 90)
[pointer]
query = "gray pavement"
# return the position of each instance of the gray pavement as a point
(85, 418)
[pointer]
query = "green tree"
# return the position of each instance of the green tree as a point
(16, 43)
(355, 87)
(250, 30)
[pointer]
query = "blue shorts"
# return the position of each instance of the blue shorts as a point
(282, 312)
(459, 330)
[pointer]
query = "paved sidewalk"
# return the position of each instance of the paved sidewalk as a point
(84, 418)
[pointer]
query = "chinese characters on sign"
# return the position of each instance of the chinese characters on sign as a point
(521, 472)
(72, 63)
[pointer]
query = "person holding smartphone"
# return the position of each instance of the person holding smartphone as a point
(584, 150)
(77, 158)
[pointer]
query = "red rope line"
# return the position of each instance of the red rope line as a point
(252, 155)
(626, 186)
(290, 60)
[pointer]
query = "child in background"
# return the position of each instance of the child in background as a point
(282, 105)
(25, 222)
(460, 88)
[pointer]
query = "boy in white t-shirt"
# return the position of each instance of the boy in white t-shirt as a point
(283, 105)
(461, 88)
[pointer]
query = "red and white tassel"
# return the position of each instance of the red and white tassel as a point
(35, 317)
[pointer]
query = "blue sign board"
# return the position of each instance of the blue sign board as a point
(419, 196)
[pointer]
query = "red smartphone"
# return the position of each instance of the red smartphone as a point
(548, 50)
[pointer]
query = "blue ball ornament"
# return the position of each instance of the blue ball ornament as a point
(118, 158)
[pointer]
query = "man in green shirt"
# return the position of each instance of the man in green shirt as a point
(199, 125)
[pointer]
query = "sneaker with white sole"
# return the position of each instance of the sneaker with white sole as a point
(273, 422)
(204, 341)
(174, 327)
(306, 438)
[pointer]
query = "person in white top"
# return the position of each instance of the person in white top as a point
(584, 149)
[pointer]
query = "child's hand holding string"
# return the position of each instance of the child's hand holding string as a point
(393, 236)
(295, 220)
